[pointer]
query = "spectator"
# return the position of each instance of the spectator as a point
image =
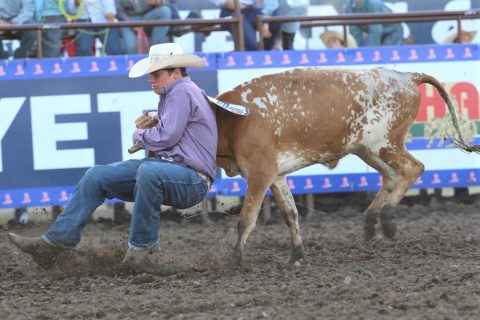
(250, 9)
(333, 39)
(48, 11)
(374, 34)
(465, 37)
(96, 11)
(143, 10)
(287, 30)
(17, 12)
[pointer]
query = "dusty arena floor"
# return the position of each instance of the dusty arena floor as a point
(431, 271)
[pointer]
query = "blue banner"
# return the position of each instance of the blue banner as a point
(58, 117)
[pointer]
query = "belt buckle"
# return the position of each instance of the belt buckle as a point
(166, 158)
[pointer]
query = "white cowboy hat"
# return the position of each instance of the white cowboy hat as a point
(327, 35)
(452, 36)
(164, 56)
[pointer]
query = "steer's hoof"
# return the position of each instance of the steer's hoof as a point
(389, 229)
(369, 232)
(294, 262)
(387, 221)
(233, 261)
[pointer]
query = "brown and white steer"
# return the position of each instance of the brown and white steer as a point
(307, 116)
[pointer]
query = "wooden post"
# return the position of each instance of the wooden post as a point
(267, 209)
(237, 30)
(345, 35)
(259, 23)
(310, 204)
(39, 43)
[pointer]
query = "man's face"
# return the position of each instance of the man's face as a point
(161, 78)
(334, 43)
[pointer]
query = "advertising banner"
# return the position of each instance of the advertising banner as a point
(58, 117)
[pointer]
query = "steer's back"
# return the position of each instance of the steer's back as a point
(315, 115)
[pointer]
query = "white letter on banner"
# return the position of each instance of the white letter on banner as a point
(130, 105)
(9, 108)
(46, 133)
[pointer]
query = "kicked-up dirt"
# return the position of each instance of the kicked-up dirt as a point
(430, 271)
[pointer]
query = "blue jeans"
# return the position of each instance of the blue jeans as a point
(110, 38)
(52, 38)
(249, 25)
(150, 182)
(158, 34)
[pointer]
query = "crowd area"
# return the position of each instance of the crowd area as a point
(119, 41)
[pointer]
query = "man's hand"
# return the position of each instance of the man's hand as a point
(145, 122)
(110, 16)
(156, 3)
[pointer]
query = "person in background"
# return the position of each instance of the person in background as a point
(143, 10)
(284, 30)
(250, 9)
(184, 142)
(390, 34)
(17, 13)
(465, 37)
(48, 11)
(333, 39)
(96, 11)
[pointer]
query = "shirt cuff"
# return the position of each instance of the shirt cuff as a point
(137, 137)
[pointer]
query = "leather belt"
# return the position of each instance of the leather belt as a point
(204, 177)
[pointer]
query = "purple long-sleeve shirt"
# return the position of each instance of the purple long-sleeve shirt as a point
(187, 128)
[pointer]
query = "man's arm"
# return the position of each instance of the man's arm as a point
(26, 13)
(109, 9)
(171, 126)
(121, 14)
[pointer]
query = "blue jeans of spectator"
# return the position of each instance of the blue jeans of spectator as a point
(158, 34)
(249, 25)
(150, 182)
(52, 38)
(394, 37)
(110, 38)
(27, 44)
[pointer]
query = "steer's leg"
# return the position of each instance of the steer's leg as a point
(257, 186)
(408, 169)
(389, 178)
(285, 201)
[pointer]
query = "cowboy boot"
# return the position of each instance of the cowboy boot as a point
(141, 261)
(42, 253)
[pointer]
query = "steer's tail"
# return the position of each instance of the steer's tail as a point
(420, 78)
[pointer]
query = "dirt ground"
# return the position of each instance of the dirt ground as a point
(431, 270)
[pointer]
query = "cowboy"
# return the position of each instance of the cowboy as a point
(333, 39)
(462, 37)
(184, 141)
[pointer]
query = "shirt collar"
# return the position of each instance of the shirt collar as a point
(175, 83)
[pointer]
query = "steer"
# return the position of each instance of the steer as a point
(307, 116)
